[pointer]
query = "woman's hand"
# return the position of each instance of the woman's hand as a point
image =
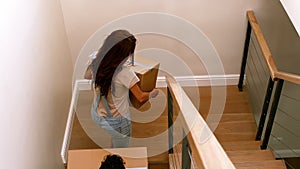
(153, 93)
(88, 73)
(143, 96)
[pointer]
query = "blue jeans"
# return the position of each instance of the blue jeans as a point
(119, 128)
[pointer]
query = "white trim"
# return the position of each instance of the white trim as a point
(292, 9)
(69, 125)
(185, 81)
(84, 84)
(203, 80)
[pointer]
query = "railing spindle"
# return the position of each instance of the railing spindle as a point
(272, 114)
(245, 55)
(186, 158)
(265, 108)
(170, 121)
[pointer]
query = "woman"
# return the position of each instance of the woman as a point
(112, 82)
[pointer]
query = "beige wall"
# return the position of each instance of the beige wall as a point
(35, 85)
(222, 21)
(36, 64)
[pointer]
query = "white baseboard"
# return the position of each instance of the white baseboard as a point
(185, 81)
(204, 80)
(84, 84)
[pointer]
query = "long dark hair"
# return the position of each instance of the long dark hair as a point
(112, 161)
(115, 49)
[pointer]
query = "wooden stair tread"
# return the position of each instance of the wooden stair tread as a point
(241, 145)
(236, 127)
(268, 164)
(237, 117)
(223, 137)
(229, 118)
(250, 155)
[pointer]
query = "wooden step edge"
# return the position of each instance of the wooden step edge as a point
(233, 127)
(234, 117)
(241, 152)
(267, 164)
(241, 145)
(225, 137)
(242, 142)
(250, 155)
(239, 124)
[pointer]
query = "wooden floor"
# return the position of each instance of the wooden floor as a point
(236, 131)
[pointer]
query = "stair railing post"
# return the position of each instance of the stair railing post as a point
(170, 121)
(272, 114)
(265, 109)
(245, 55)
(186, 158)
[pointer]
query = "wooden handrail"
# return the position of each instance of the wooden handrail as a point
(288, 77)
(262, 43)
(275, 74)
(206, 149)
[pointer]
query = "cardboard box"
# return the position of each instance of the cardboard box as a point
(147, 70)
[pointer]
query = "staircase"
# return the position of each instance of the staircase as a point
(236, 133)
(243, 151)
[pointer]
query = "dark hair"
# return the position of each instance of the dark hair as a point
(112, 162)
(117, 47)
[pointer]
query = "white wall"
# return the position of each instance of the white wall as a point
(292, 8)
(224, 22)
(35, 85)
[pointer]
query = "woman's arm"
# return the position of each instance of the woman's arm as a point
(142, 96)
(88, 73)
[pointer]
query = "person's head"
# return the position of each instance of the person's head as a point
(117, 47)
(112, 161)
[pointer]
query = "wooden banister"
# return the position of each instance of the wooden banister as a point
(206, 150)
(275, 73)
(262, 43)
(288, 77)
